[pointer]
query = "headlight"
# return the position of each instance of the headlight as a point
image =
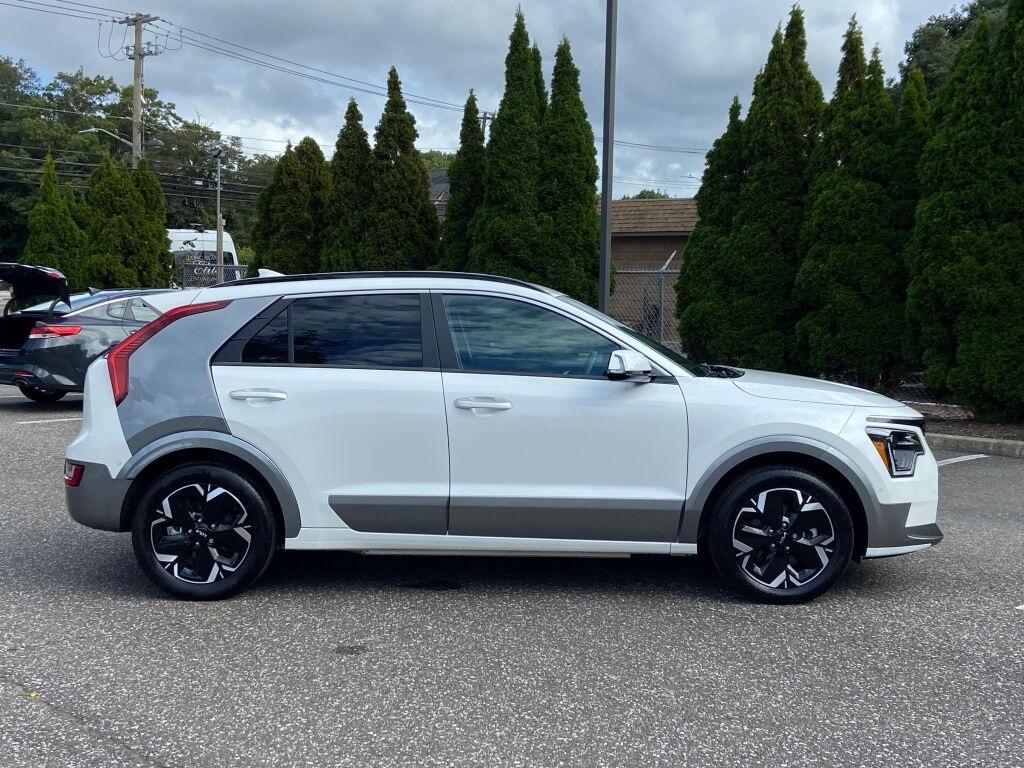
(898, 450)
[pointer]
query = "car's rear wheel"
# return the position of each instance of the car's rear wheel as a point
(780, 535)
(40, 395)
(203, 532)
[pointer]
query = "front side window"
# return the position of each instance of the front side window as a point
(498, 335)
(140, 311)
(382, 331)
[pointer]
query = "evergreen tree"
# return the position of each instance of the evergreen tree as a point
(402, 225)
(569, 247)
(288, 235)
(54, 238)
(914, 128)
(124, 246)
(466, 190)
(968, 245)
(349, 197)
(505, 230)
(957, 169)
(155, 221)
(851, 281)
(704, 278)
(538, 77)
(757, 262)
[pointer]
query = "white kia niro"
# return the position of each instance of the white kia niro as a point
(440, 412)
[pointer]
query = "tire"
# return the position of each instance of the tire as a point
(40, 395)
(780, 535)
(203, 531)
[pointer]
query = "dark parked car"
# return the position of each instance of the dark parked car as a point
(48, 337)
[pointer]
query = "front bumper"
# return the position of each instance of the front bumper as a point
(98, 500)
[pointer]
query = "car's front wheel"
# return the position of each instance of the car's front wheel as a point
(203, 531)
(40, 395)
(780, 535)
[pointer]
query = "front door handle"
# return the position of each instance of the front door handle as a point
(258, 394)
(484, 403)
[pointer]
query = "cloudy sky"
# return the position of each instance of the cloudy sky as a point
(679, 63)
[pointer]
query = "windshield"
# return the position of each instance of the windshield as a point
(690, 365)
(78, 301)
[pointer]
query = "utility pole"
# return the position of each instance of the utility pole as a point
(138, 52)
(607, 161)
(485, 117)
(220, 223)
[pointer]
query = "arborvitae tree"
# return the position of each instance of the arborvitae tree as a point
(705, 278)
(538, 77)
(759, 259)
(288, 235)
(569, 247)
(505, 231)
(125, 248)
(349, 197)
(968, 247)
(961, 193)
(914, 128)
(402, 227)
(466, 190)
(146, 182)
(54, 238)
(851, 282)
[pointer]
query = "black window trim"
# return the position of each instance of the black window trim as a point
(446, 347)
(231, 352)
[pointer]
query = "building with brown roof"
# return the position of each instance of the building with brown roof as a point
(648, 240)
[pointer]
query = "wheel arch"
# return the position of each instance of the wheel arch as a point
(174, 450)
(802, 453)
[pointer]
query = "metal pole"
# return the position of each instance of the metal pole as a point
(137, 93)
(608, 147)
(220, 229)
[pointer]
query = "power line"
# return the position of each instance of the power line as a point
(54, 13)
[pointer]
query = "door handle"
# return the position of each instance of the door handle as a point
(258, 394)
(483, 403)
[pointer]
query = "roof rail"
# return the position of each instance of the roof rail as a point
(357, 275)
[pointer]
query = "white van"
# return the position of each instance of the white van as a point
(195, 257)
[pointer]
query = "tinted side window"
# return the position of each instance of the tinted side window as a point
(270, 344)
(507, 336)
(368, 331)
(111, 311)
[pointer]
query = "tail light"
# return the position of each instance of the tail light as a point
(53, 331)
(73, 474)
(117, 357)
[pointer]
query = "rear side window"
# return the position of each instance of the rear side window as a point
(382, 331)
(270, 345)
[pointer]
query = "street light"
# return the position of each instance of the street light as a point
(150, 143)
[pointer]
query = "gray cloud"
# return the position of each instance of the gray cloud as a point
(680, 63)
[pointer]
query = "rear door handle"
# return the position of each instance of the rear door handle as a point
(484, 403)
(258, 394)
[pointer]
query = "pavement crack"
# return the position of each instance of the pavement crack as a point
(78, 721)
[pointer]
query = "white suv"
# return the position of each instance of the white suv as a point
(449, 412)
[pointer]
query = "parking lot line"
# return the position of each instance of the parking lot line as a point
(958, 459)
(48, 421)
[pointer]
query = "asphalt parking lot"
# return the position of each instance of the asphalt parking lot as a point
(335, 659)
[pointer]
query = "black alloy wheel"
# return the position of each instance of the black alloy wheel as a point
(203, 532)
(780, 534)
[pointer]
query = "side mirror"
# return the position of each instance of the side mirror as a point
(627, 365)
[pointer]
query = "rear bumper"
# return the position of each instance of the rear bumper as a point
(98, 499)
(16, 370)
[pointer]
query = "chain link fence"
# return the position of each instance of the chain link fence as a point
(203, 275)
(645, 300)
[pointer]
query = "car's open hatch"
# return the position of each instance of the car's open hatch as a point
(30, 283)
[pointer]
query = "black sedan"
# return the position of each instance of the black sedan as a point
(48, 337)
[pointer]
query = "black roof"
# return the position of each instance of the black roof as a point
(359, 275)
